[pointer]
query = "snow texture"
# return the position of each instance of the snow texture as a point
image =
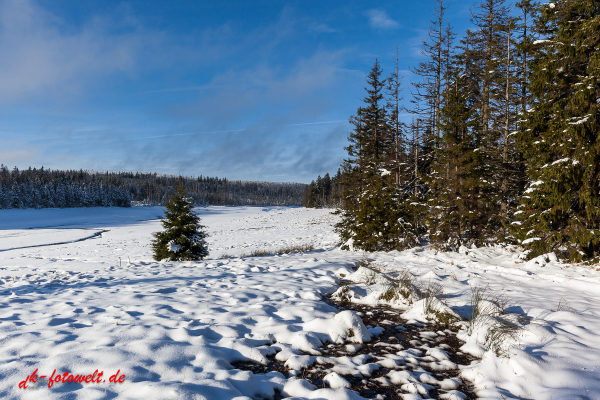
(76, 307)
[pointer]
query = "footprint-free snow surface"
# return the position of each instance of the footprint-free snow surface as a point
(89, 297)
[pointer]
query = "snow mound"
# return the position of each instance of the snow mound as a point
(336, 381)
(349, 325)
(419, 313)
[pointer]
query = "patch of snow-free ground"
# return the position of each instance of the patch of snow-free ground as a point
(99, 302)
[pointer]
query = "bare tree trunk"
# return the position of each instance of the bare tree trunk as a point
(485, 107)
(397, 127)
(438, 72)
(525, 77)
(504, 188)
(417, 153)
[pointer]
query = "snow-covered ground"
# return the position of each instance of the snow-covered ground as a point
(89, 297)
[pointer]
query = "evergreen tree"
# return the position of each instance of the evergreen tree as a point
(508, 175)
(394, 89)
(487, 85)
(431, 72)
(559, 136)
(372, 218)
(456, 213)
(183, 238)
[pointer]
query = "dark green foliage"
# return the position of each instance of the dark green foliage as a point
(559, 136)
(378, 222)
(182, 238)
(458, 213)
(41, 188)
(324, 192)
(373, 209)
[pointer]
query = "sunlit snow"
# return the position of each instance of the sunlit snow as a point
(99, 301)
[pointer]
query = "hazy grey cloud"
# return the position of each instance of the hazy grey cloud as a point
(257, 152)
(378, 19)
(14, 157)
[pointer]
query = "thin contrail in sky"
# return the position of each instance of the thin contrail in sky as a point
(235, 130)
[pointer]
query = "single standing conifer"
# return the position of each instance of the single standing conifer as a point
(183, 238)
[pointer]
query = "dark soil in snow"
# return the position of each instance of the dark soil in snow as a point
(388, 318)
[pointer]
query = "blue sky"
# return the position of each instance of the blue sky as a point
(257, 90)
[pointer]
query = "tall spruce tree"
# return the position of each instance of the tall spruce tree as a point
(183, 238)
(429, 94)
(560, 135)
(394, 92)
(371, 217)
(508, 172)
(456, 214)
(488, 83)
(431, 72)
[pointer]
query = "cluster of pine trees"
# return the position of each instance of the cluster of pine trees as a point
(43, 188)
(48, 189)
(504, 141)
(324, 192)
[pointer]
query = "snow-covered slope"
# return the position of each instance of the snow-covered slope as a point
(77, 307)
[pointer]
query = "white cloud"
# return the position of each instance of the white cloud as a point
(379, 19)
(320, 28)
(39, 56)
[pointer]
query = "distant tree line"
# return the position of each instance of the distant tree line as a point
(324, 192)
(44, 188)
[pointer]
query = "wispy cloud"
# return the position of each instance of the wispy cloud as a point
(38, 57)
(378, 19)
(320, 28)
(178, 89)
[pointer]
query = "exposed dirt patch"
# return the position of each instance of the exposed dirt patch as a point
(368, 387)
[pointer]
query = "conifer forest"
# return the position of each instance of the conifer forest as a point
(503, 144)
(41, 188)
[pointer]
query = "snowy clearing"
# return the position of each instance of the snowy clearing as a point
(104, 304)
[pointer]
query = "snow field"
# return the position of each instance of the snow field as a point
(76, 307)
(556, 354)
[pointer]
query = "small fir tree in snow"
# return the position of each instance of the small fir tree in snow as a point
(560, 135)
(183, 238)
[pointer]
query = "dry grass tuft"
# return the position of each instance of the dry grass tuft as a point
(487, 308)
(297, 248)
(563, 305)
